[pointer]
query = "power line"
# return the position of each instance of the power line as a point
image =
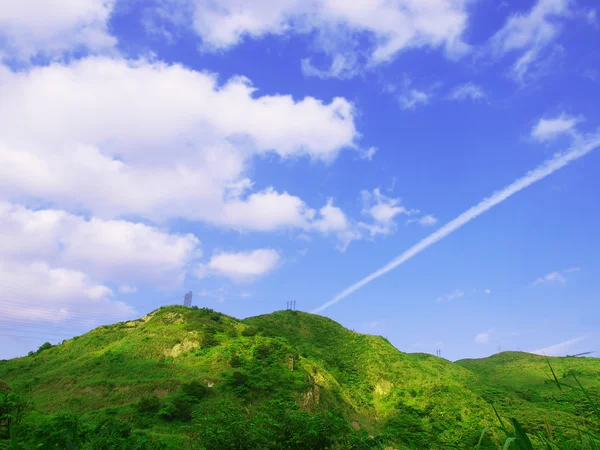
(24, 337)
(21, 323)
(58, 310)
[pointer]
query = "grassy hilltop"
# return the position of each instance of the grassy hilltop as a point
(193, 378)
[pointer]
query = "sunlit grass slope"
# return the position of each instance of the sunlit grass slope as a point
(177, 372)
(521, 385)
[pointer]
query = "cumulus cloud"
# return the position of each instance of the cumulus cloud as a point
(115, 251)
(55, 294)
(548, 129)
(391, 26)
(383, 210)
(413, 98)
(241, 266)
(467, 91)
(530, 34)
(52, 27)
(331, 219)
(487, 291)
(428, 220)
(52, 139)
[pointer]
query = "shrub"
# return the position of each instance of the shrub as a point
(235, 361)
(195, 390)
(250, 331)
(12, 408)
(208, 339)
(177, 407)
(44, 346)
(149, 404)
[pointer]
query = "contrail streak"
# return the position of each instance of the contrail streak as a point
(548, 167)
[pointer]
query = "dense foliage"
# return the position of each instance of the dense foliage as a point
(192, 378)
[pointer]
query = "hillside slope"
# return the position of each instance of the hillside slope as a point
(521, 385)
(193, 378)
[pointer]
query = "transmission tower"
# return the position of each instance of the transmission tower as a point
(187, 299)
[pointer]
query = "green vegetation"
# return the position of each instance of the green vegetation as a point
(189, 378)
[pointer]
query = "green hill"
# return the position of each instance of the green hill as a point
(193, 378)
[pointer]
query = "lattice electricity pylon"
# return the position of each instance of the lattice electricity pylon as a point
(187, 299)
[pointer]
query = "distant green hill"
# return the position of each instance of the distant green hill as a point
(193, 378)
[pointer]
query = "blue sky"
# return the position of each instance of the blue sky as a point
(259, 152)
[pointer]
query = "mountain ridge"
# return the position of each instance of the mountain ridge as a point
(286, 356)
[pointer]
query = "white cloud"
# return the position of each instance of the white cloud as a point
(483, 338)
(467, 91)
(450, 297)
(548, 129)
(487, 291)
(53, 27)
(558, 349)
(54, 295)
(51, 140)
(331, 219)
(369, 153)
(555, 277)
(552, 277)
(342, 67)
(428, 220)
(241, 266)
(125, 289)
(413, 98)
(114, 251)
(530, 33)
(383, 210)
(390, 26)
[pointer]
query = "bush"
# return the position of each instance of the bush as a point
(148, 404)
(195, 390)
(44, 346)
(12, 408)
(235, 361)
(208, 339)
(237, 379)
(250, 331)
(177, 407)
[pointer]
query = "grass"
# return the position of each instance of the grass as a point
(516, 438)
(275, 378)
